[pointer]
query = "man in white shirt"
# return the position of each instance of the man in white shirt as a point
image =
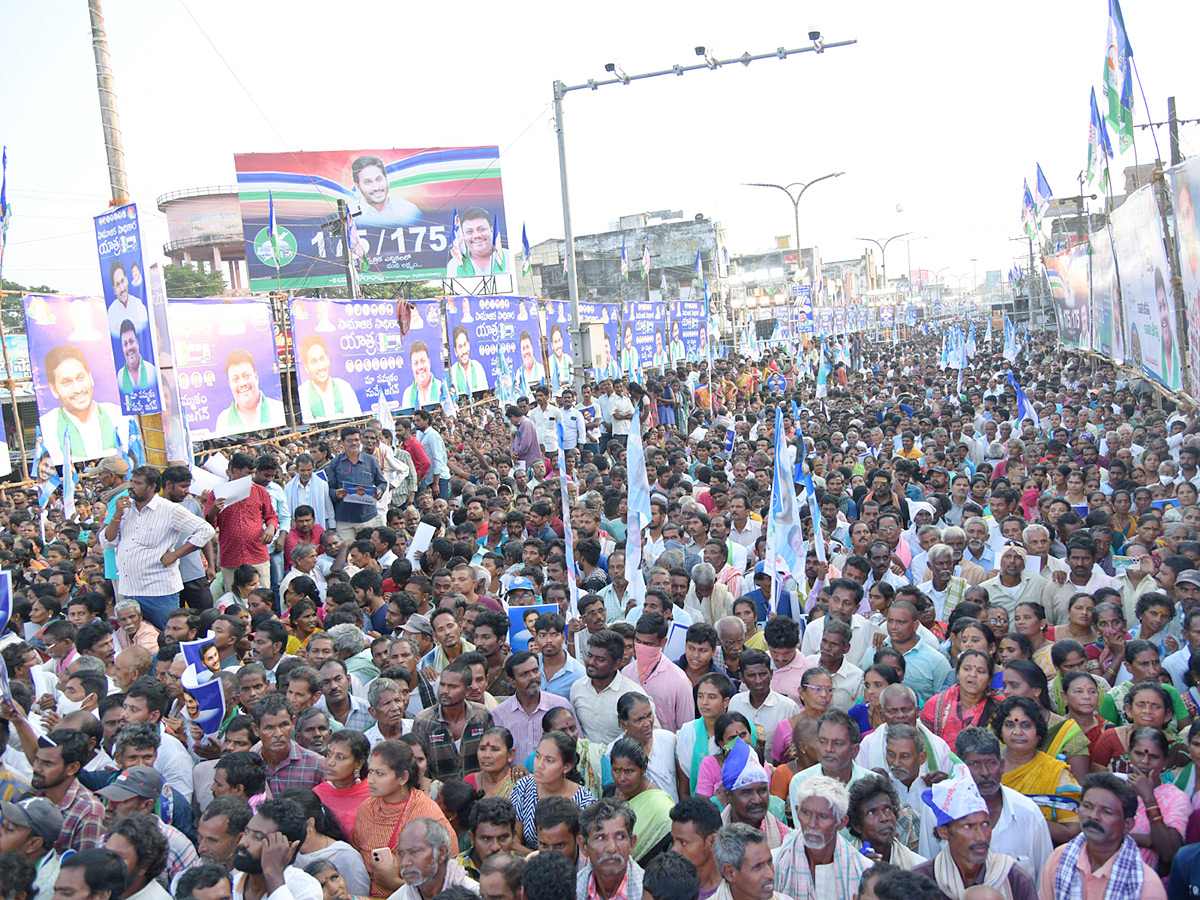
(573, 423)
(1018, 827)
(545, 418)
(622, 413)
(758, 703)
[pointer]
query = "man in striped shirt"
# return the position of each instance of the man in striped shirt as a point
(146, 532)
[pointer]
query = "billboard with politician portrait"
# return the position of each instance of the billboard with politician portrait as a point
(687, 319)
(226, 365)
(402, 204)
(1152, 344)
(605, 354)
(492, 337)
(122, 271)
(350, 354)
(1185, 197)
(74, 380)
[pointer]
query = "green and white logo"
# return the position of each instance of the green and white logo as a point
(268, 254)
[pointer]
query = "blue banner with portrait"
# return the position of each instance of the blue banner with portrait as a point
(122, 271)
(688, 319)
(351, 353)
(494, 337)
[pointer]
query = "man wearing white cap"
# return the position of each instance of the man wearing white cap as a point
(815, 862)
(746, 783)
(1013, 584)
(966, 859)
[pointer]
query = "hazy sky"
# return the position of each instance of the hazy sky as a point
(941, 107)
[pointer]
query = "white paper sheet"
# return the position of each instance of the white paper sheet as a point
(234, 491)
(420, 542)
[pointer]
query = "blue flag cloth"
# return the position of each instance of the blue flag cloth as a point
(68, 476)
(730, 434)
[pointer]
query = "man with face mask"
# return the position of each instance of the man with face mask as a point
(664, 681)
(815, 861)
(264, 860)
(966, 858)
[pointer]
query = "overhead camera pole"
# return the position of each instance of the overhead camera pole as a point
(619, 76)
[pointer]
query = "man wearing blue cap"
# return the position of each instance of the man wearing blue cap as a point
(748, 788)
(966, 858)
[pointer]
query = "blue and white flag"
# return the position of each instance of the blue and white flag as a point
(568, 531)
(638, 504)
(822, 372)
(1099, 147)
(730, 434)
(449, 400)
(784, 534)
(273, 230)
(624, 260)
(971, 349)
(987, 335)
(1043, 191)
(5, 209)
(68, 476)
(1024, 406)
(383, 412)
(39, 450)
(526, 265)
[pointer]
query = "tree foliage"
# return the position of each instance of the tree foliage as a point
(192, 281)
(13, 310)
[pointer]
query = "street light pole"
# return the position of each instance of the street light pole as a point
(795, 198)
(883, 251)
(819, 45)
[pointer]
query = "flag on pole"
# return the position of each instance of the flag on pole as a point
(449, 400)
(568, 531)
(624, 260)
(638, 503)
(526, 266)
(456, 237)
(1024, 406)
(1099, 147)
(646, 260)
(68, 477)
(497, 238)
(1118, 77)
(272, 229)
(1028, 211)
(5, 209)
(784, 518)
(987, 335)
(1043, 190)
(39, 450)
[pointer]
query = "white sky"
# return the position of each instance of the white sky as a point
(941, 107)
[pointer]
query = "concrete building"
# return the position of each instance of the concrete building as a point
(674, 242)
(205, 229)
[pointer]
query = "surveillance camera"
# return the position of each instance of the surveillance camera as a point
(610, 67)
(700, 51)
(814, 36)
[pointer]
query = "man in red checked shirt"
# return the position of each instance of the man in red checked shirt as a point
(416, 450)
(245, 529)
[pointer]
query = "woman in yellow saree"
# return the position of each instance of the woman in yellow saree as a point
(1021, 726)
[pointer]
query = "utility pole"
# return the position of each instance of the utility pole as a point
(106, 85)
(151, 425)
(1173, 131)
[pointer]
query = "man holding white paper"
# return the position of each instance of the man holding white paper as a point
(146, 531)
(355, 483)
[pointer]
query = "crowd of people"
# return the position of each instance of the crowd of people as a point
(977, 680)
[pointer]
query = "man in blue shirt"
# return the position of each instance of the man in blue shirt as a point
(355, 483)
(925, 669)
(438, 476)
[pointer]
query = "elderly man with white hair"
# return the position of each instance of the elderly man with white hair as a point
(706, 599)
(815, 861)
(956, 539)
(135, 631)
(944, 588)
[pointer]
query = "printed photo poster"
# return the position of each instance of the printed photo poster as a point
(1185, 198)
(643, 336)
(119, 247)
(74, 380)
(521, 621)
(839, 320)
(1145, 275)
(351, 353)
(687, 321)
(825, 320)
(493, 337)
(805, 315)
(605, 355)
(203, 696)
(1067, 274)
(226, 365)
(1107, 313)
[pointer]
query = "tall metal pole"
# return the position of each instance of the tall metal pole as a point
(106, 85)
(150, 425)
(568, 232)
